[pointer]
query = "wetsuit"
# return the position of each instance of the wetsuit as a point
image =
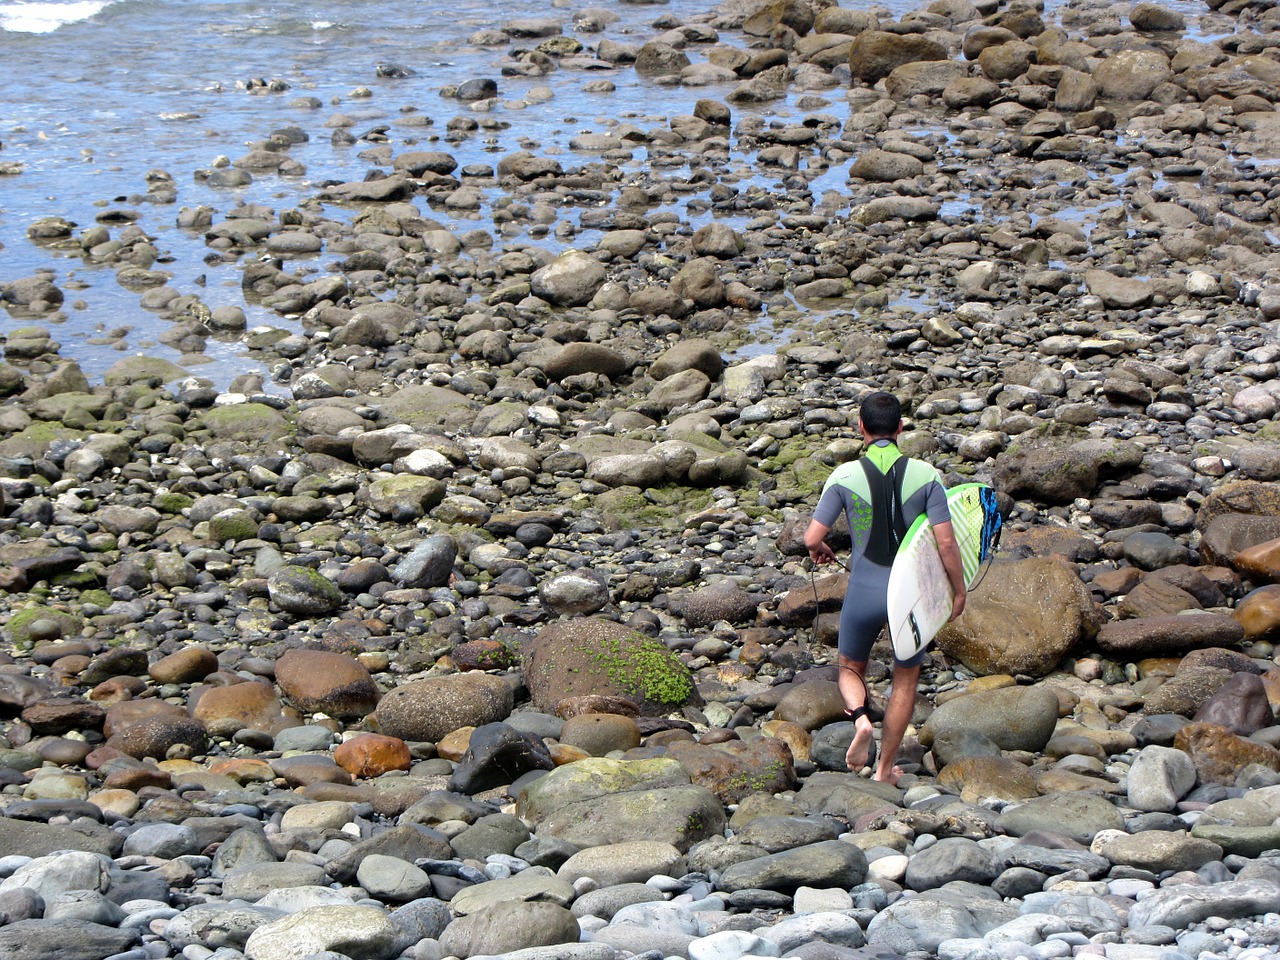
(876, 524)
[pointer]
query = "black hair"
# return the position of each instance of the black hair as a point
(880, 414)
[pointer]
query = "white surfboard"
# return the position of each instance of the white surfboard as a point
(920, 594)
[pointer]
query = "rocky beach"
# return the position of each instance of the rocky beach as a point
(469, 617)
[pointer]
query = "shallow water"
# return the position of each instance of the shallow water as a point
(95, 94)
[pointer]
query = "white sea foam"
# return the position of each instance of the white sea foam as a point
(45, 17)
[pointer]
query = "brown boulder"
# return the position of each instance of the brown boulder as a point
(1261, 562)
(735, 769)
(63, 714)
(317, 681)
(1240, 705)
(811, 705)
(160, 736)
(1186, 692)
(977, 777)
(430, 709)
(187, 665)
(1218, 754)
(570, 658)
(1177, 634)
(598, 734)
(874, 54)
(370, 755)
(252, 705)
(1023, 617)
(1153, 597)
(125, 714)
(1239, 497)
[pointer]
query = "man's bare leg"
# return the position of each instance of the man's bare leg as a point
(853, 690)
(897, 715)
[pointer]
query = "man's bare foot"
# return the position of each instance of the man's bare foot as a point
(890, 776)
(862, 748)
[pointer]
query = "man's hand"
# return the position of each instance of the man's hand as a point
(821, 553)
(815, 541)
(957, 605)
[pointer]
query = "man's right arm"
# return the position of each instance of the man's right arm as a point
(815, 541)
(949, 550)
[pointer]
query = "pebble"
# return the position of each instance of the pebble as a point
(486, 630)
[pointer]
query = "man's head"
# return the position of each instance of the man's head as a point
(881, 415)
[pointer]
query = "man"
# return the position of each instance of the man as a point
(881, 495)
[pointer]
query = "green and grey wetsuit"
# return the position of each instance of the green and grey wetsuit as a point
(849, 490)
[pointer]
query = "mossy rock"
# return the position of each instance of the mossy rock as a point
(19, 626)
(234, 524)
(172, 503)
(78, 410)
(35, 440)
(425, 407)
(246, 421)
(662, 508)
(572, 658)
(148, 370)
(403, 492)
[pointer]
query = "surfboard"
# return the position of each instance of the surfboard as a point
(920, 595)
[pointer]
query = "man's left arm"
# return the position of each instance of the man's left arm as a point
(949, 550)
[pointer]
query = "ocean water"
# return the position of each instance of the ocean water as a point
(97, 94)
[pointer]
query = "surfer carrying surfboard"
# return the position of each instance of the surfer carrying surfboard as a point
(881, 495)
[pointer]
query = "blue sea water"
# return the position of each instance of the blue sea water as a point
(95, 94)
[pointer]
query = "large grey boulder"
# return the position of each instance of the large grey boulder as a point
(1014, 718)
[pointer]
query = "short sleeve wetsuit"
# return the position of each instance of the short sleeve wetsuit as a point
(865, 608)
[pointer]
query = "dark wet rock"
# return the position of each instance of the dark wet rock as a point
(498, 754)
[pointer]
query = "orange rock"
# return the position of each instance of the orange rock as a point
(371, 755)
(1158, 667)
(184, 666)
(792, 734)
(562, 753)
(224, 710)
(733, 672)
(753, 653)
(1259, 613)
(1219, 754)
(1261, 562)
(453, 746)
(118, 689)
